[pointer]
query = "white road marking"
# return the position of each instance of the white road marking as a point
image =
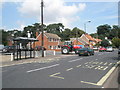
(78, 65)
(69, 69)
(75, 60)
(104, 78)
(110, 63)
(42, 68)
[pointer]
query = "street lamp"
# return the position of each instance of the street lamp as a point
(85, 25)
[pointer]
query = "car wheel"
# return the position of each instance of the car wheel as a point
(89, 54)
(65, 50)
(76, 51)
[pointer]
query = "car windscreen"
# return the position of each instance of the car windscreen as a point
(84, 49)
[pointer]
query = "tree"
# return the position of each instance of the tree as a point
(76, 32)
(104, 30)
(4, 37)
(105, 43)
(114, 32)
(116, 42)
(95, 35)
(55, 28)
(66, 34)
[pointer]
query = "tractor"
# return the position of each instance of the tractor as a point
(69, 47)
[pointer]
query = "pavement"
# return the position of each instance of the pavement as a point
(69, 71)
(6, 60)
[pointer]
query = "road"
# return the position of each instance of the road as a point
(69, 72)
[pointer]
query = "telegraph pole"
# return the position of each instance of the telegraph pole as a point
(42, 28)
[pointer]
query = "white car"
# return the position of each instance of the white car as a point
(109, 49)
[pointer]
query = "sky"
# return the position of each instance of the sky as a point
(17, 15)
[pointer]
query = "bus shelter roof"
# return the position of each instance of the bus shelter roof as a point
(25, 39)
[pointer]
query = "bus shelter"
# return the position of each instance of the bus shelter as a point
(24, 48)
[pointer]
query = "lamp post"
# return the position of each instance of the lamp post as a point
(85, 25)
(42, 28)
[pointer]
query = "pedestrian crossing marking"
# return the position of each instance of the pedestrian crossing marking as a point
(105, 63)
(110, 63)
(95, 62)
(101, 63)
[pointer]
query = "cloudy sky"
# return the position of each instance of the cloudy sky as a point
(17, 15)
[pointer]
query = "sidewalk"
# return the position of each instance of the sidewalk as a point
(6, 61)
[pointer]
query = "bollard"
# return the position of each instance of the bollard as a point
(36, 54)
(11, 56)
(44, 53)
(54, 52)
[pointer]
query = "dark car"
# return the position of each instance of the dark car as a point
(119, 52)
(85, 51)
(8, 49)
(1, 47)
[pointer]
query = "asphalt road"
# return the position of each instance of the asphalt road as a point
(69, 72)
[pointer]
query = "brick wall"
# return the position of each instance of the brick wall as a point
(47, 43)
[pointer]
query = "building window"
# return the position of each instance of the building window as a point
(50, 39)
(54, 47)
(50, 47)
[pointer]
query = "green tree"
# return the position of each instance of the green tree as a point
(105, 43)
(4, 37)
(116, 42)
(66, 34)
(104, 30)
(55, 28)
(95, 35)
(76, 32)
(114, 32)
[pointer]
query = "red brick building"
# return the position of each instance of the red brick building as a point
(51, 41)
(85, 40)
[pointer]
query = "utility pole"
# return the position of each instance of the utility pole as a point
(42, 28)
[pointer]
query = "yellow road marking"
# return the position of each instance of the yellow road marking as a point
(78, 66)
(104, 78)
(53, 75)
(69, 69)
(89, 83)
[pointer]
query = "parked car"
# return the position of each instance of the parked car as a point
(119, 52)
(109, 49)
(38, 48)
(85, 51)
(8, 49)
(102, 49)
(1, 47)
(95, 48)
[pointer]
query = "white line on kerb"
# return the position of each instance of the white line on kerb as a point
(42, 68)
(75, 60)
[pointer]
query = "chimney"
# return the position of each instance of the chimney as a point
(37, 34)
